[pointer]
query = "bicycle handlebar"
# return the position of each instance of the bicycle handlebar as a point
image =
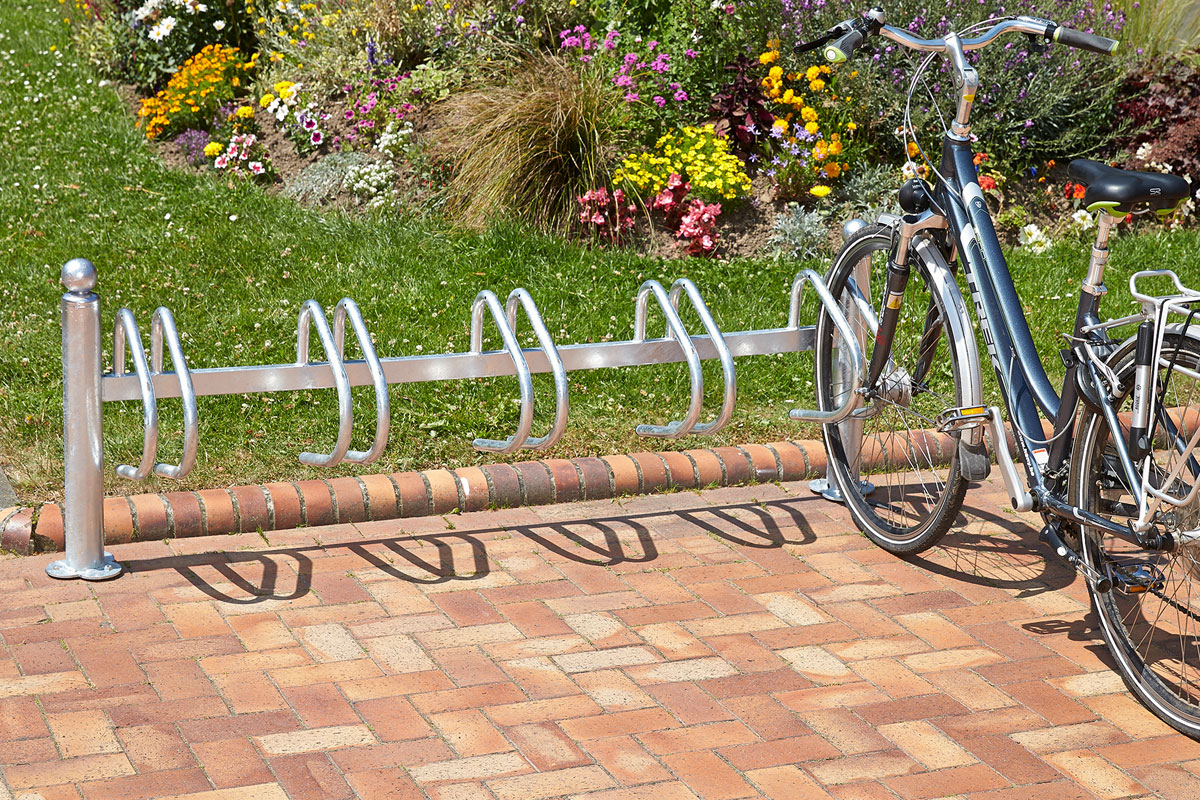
(845, 37)
(1085, 41)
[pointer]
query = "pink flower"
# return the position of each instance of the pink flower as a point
(257, 168)
(317, 138)
(632, 97)
(659, 100)
(598, 218)
(221, 162)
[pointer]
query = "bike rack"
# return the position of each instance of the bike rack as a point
(86, 387)
(669, 303)
(506, 320)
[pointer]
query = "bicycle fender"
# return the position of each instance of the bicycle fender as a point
(973, 459)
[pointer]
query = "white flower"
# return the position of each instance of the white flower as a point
(256, 167)
(1143, 152)
(147, 8)
(909, 170)
(162, 29)
(1034, 238)
(219, 25)
(1083, 220)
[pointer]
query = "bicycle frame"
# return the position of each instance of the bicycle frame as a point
(1024, 386)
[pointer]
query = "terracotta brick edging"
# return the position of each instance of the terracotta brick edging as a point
(287, 505)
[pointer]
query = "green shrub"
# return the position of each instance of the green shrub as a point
(530, 146)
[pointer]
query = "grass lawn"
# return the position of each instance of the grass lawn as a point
(235, 263)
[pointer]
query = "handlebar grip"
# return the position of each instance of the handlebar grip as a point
(843, 48)
(1085, 41)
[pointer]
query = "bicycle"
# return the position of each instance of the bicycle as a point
(1116, 474)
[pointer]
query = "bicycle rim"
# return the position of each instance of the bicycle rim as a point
(917, 488)
(1153, 635)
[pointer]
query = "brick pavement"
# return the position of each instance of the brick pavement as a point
(732, 643)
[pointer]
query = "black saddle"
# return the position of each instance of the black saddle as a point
(1127, 189)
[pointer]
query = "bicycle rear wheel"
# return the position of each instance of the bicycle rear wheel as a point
(918, 490)
(1154, 634)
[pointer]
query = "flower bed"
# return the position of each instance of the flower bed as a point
(543, 110)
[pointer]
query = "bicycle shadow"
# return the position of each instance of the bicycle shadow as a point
(286, 574)
(985, 548)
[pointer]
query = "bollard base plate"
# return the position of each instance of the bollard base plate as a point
(829, 490)
(108, 569)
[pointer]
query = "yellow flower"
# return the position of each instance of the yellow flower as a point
(768, 57)
(850, 126)
(812, 74)
(267, 99)
(819, 191)
(809, 114)
(245, 112)
(816, 85)
(213, 149)
(913, 150)
(788, 96)
(781, 124)
(832, 169)
(811, 127)
(776, 73)
(835, 148)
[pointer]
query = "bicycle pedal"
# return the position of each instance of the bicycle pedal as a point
(961, 418)
(1143, 577)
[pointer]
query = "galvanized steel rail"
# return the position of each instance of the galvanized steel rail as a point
(85, 387)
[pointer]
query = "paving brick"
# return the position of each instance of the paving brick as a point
(470, 733)
(232, 763)
(618, 724)
(546, 746)
(72, 770)
(310, 776)
(467, 769)
(383, 784)
(708, 775)
(1096, 774)
(83, 733)
(154, 747)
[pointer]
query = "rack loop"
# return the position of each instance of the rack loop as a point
(162, 326)
(312, 314)
(488, 300)
(676, 331)
(125, 329)
(729, 374)
(383, 409)
(562, 402)
(851, 398)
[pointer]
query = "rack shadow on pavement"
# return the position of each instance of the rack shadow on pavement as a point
(248, 577)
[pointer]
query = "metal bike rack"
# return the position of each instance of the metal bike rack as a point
(86, 387)
(669, 303)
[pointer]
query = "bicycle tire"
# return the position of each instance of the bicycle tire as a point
(901, 516)
(1142, 630)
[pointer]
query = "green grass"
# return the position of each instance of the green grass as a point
(234, 264)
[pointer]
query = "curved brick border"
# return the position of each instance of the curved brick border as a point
(285, 505)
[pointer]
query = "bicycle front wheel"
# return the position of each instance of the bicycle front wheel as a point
(915, 490)
(1151, 618)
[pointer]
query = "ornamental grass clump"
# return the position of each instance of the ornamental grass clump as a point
(697, 154)
(530, 146)
(204, 83)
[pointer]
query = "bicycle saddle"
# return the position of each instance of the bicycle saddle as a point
(1122, 189)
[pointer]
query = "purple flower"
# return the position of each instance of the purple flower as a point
(659, 100)
(690, 53)
(317, 138)
(632, 97)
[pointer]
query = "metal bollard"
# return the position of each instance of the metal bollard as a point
(83, 507)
